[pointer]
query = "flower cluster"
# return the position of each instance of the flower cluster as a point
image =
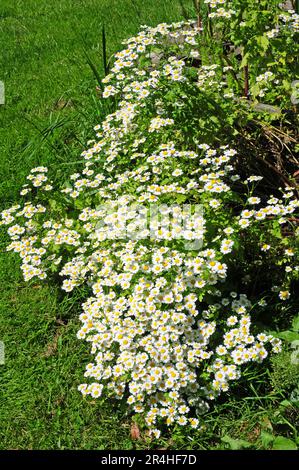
(228, 9)
(166, 330)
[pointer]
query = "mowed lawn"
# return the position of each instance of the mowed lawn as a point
(51, 108)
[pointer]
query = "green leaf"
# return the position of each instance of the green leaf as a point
(266, 438)
(244, 61)
(263, 41)
(287, 85)
(283, 443)
(180, 198)
(236, 444)
(53, 204)
(289, 336)
(295, 323)
(285, 403)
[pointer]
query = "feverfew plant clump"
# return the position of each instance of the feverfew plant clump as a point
(171, 323)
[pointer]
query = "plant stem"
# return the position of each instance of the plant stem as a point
(197, 8)
(246, 81)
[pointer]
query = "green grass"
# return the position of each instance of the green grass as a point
(51, 108)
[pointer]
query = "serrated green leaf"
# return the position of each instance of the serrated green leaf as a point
(244, 61)
(180, 198)
(283, 443)
(266, 438)
(295, 323)
(236, 444)
(263, 41)
(289, 336)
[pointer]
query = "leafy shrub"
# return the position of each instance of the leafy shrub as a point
(171, 323)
